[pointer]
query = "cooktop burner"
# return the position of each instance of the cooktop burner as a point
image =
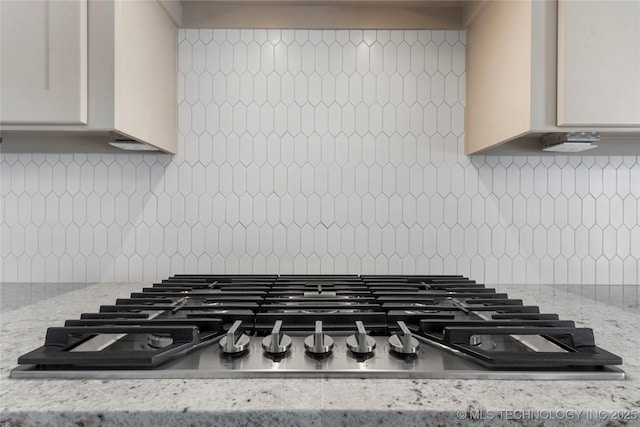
(220, 326)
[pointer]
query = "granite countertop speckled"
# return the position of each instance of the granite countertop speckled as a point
(320, 401)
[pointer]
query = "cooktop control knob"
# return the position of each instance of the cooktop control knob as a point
(403, 342)
(277, 342)
(318, 343)
(235, 341)
(361, 343)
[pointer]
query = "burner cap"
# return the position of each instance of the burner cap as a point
(159, 340)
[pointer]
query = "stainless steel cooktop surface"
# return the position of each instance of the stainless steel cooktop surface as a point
(234, 326)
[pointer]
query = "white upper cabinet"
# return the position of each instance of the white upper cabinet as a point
(101, 71)
(44, 61)
(599, 63)
(538, 67)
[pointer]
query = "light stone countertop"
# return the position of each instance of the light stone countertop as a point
(320, 401)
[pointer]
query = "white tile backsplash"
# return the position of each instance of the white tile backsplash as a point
(320, 152)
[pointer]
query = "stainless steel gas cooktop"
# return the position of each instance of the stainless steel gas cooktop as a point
(232, 326)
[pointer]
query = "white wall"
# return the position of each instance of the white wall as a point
(321, 152)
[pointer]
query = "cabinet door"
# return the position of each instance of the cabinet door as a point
(44, 61)
(599, 63)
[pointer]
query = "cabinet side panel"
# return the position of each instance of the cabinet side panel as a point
(146, 74)
(498, 74)
(599, 63)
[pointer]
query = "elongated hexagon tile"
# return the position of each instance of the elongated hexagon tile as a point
(321, 151)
